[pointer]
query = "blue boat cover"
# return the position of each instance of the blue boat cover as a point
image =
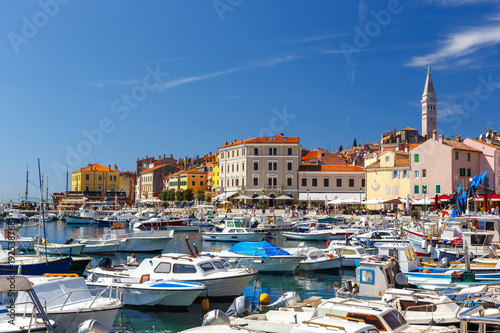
(261, 249)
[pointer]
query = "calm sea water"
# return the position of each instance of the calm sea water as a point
(160, 320)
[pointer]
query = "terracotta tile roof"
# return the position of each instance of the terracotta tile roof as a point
(310, 154)
(155, 168)
(195, 171)
(96, 167)
(373, 165)
(459, 145)
(265, 139)
(484, 143)
(330, 168)
(413, 145)
(408, 129)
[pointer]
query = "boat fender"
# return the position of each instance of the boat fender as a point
(348, 285)
(215, 317)
(424, 244)
(429, 248)
(91, 326)
(355, 289)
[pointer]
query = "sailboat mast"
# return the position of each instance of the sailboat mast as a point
(66, 181)
(42, 219)
(26, 183)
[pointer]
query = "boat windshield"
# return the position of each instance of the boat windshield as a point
(394, 319)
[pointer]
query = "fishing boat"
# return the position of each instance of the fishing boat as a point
(263, 256)
(377, 237)
(349, 251)
(68, 301)
(68, 248)
(142, 292)
(214, 273)
(16, 216)
(85, 216)
(21, 242)
(234, 231)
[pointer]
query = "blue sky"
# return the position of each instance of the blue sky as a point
(110, 81)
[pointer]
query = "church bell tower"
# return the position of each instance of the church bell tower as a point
(429, 112)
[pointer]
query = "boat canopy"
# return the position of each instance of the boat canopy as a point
(261, 249)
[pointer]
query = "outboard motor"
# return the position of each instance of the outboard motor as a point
(104, 262)
(287, 299)
(444, 263)
(215, 317)
(69, 241)
(92, 326)
(254, 224)
(241, 307)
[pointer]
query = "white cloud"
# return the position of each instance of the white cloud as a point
(317, 38)
(456, 3)
(459, 45)
(263, 63)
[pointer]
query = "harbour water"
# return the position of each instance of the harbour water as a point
(163, 320)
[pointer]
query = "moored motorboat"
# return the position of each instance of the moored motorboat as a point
(68, 248)
(84, 216)
(139, 240)
(234, 231)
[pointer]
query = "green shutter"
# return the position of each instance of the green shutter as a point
(468, 156)
(456, 155)
(438, 189)
(469, 173)
(416, 189)
(416, 158)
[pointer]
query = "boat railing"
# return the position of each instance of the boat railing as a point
(98, 294)
(467, 317)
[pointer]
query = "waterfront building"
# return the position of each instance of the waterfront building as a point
(389, 177)
(95, 178)
(328, 182)
(321, 157)
(489, 159)
(261, 165)
(151, 180)
(439, 166)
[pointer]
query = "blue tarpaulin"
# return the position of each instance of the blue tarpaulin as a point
(261, 249)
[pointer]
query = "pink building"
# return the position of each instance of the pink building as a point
(490, 159)
(441, 165)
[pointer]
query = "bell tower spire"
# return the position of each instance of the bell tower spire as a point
(429, 111)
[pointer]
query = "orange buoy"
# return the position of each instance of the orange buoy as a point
(426, 271)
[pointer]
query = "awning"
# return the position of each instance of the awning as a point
(330, 196)
(225, 195)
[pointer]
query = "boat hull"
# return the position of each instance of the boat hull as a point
(276, 264)
(226, 286)
(143, 244)
(75, 250)
(69, 321)
(333, 265)
(60, 265)
(305, 236)
(244, 237)
(100, 248)
(78, 220)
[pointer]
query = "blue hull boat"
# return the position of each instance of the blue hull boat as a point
(54, 265)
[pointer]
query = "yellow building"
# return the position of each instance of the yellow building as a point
(215, 173)
(389, 177)
(193, 179)
(95, 178)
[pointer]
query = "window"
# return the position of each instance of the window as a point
(339, 182)
(112, 188)
(232, 182)
(289, 181)
(87, 188)
(207, 267)
(438, 189)
(304, 181)
(272, 181)
(182, 268)
(326, 182)
(100, 177)
(469, 174)
(404, 173)
(163, 267)
(289, 151)
(289, 166)
(201, 182)
(314, 182)
(351, 182)
(366, 276)
(99, 188)
(270, 166)
(388, 190)
(272, 151)
(218, 264)
(256, 166)
(242, 166)
(237, 153)
(395, 190)
(417, 173)
(256, 151)
(243, 152)
(222, 168)
(363, 182)
(462, 172)
(424, 173)
(395, 174)
(456, 155)
(237, 167)
(222, 155)
(416, 158)
(87, 177)
(415, 189)
(468, 157)
(387, 159)
(232, 153)
(255, 181)
(193, 182)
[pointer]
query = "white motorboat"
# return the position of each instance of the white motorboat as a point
(84, 216)
(214, 273)
(15, 215)
(99, 245)
(68, 301)
(22, 242)
(34, 321)
(139, 240)
(263, 256)
(350, 253)
(315, 259)
(377, 237)
(160, 221)
(271, 222)
(234, 231)
(142, 292)
(312, 234)
(60, 249)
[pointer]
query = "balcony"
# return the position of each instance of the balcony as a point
(272, 187)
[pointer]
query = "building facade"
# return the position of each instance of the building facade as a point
(490, 160)
(262, 165)
(95, 178)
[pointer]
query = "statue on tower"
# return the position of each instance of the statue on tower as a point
(429, 70)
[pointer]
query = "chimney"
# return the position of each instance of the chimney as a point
(282, 134)
(434, 134)
(116, 168)
(406, 149)
(226, 143)
(494, 134)
(163, 156)
(441, 138)
(457, 138)
(209, 153)
(171, 156)
(109, 167)
(146, 156)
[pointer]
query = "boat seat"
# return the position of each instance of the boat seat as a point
(313, 301)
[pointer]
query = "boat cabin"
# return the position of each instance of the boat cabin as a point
(403, 253)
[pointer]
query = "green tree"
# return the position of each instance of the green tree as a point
(179, 195)
(163, 196)
(200, 195)
(188, 194)
(340, 148)
(170, 195)
(208, 199)
(354, 144)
